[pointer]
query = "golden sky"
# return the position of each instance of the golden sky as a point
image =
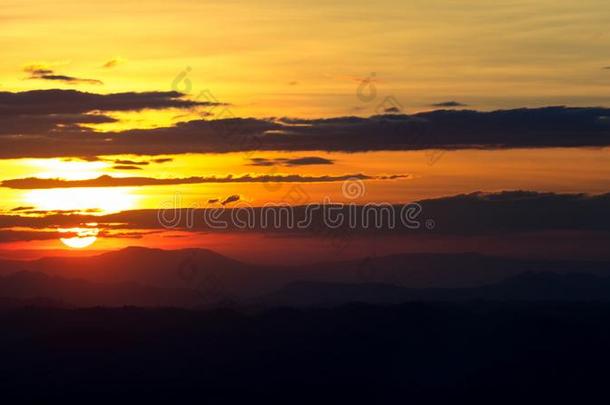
(562, 170)
(285, 58)
(317, 59)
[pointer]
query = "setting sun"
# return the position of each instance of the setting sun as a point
(371, 202)
(85, 237)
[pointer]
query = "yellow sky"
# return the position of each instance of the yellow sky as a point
(280, 58)
(562, 170)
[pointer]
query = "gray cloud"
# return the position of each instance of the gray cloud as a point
(7, 236)
(132, 162)
(126, 167)
(49, 102)
(449, 104)
(230, 199)
(56, 116)
(51, 120)
(392, 110)
(112, 63)
(129, 162)
(504, 213)
(304, 161)
(22, 208)
(42, 73)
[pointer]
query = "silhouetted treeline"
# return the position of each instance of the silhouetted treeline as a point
(413, 353)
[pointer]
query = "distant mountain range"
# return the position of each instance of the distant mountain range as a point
(50, 291)
(199, 277)
(527, 286)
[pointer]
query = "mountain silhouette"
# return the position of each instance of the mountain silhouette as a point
(31, 286)
(529, 286)
(142, 276)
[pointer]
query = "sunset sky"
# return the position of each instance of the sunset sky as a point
(213, 104)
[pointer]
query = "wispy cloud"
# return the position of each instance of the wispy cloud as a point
(109, 181)
(44, 73)
(304, 161)
(54, 113)
(22, 208)
(113, 62)
(231, 199)
(126, 167)
(449, 104)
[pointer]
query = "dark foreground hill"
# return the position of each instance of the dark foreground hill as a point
(415, 353)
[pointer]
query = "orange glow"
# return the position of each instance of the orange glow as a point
(102, 199)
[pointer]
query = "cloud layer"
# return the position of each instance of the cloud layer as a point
(509, 212)
(303, 161)
(47, 123)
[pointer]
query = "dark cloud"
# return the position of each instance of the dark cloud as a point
(518, 211)
(477, 214)
(83, 158)
(441, 129)
(112, 63)
(128, 162)
(48, 124)
(139, 162)
(56, 117)
(265, 162)
(510, 212)
(230, 199)
(16, 209)
(109, 181)
(124, 235)
(49, 102)
(309, 160)
(304, 161)
(7, 236)
(392, 110)
(131, 162)
(514, 214)
(449, 104)
(42, 73)
(162, 160)
(126, 167)
(59, 212)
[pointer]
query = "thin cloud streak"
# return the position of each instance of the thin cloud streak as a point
(42, 73)
(32, 183)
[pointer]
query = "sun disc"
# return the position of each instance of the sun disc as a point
(85, 237)
(79, 243)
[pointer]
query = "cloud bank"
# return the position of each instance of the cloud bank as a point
(48, 123)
